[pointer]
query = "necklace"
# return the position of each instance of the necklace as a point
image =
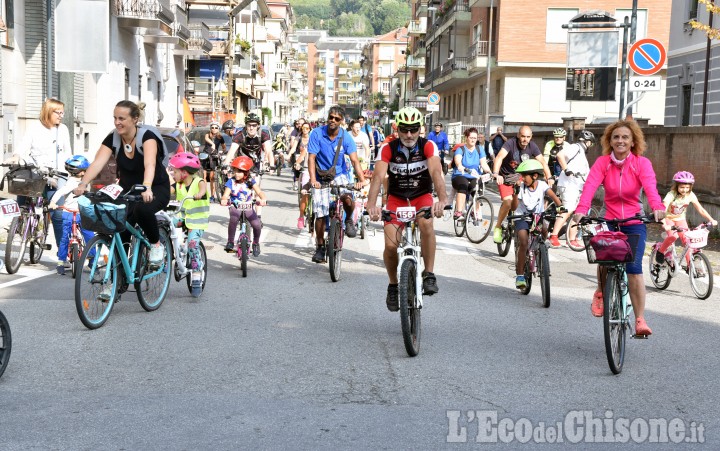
(127, 147)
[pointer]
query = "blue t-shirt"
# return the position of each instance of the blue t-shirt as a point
(470, 160)
(241, 191)
(323, 148)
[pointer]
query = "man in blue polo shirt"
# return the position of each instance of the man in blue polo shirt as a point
(325, 142)
(439, 137)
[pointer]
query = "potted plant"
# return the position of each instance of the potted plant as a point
(244, 45)
(275, 86)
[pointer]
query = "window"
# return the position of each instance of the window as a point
(472, 101)
(127, 83)
(556, 17)
(692, 9)
(552, 95)
(641, 30)
(387, 53)
(477, 32)
(686, 105)
(7, 23)
(385, 87)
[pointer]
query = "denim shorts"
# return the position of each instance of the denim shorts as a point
(637, 229)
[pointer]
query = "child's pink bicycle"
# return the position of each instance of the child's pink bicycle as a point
(76, 245)
(691, 260)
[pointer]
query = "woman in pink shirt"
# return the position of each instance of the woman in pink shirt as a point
(623, 171)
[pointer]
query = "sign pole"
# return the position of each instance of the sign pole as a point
(623, 68)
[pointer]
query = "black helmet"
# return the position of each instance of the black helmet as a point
(587, 135)
(252, 117)
(228, 124)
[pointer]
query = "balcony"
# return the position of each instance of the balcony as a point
(422, 6)
(148, 18)
(242, 69)
(481, 4)
(417, 28)
(343, 64)
(319, 101)
(478, 54)
(416, 62)
(262, 84)
(418, 89)
(302, 56)
(458, 14)
(418, 47)
(320, 64)
(452, 73)
(419, 104)
(260, 33)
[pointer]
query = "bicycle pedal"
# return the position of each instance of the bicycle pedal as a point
(640, 337)
(47, 247)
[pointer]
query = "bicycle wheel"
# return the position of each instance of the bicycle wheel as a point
(701, 276)
(571, 224)
(479, 220)
(5, 343)
(152, 284)
(15, 245)
(409, 311)
(504, 246)
(334, 249)
(614, 324)
(362, 226)
(37, 245)
(203, 257)
(459, 226)
(244, 251)
(659, 274)
(93, 299)
(544, 274)
(73, 257)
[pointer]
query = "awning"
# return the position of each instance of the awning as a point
(245, 92)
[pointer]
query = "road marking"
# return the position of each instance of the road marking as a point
(27, 274)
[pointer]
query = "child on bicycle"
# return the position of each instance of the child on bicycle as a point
(76, 166)
(676, 202)
(196, 213)
(530, 199)
(242, 188)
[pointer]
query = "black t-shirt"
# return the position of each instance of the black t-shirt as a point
(131, 171)
(251, 147)
(515, 155)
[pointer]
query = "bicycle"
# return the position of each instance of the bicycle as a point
(691, 260)
(5, 343)
(410, 269)
(76, 244)
(111, 269)
(476, 220)
(616, 290)
(242, 244)
(308, 212)
(29, 226)
(537, 260)
(178, 239)
(336, 231)
(508, 232)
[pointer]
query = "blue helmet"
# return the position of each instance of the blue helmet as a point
(76, 164)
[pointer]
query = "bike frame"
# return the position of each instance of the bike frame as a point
(128, 267)
(177, 237)
(686, 255)
(410, 249)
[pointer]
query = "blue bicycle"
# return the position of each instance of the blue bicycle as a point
(113, 265)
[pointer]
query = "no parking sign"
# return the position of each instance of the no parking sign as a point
(647, 56)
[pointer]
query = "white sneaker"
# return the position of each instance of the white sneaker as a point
(156, 254)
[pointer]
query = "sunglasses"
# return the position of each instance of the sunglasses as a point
(409, 129)
(214, 128)
(335, 118)
(251, 125)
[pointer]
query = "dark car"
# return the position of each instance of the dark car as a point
(175, 141)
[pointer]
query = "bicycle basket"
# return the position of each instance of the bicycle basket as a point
(611, 247)
(26, 182)
(697, 239)
(103, 217)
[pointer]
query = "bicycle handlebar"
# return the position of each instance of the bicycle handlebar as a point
(639, 217)
(703, 225)
(45, 171)
(387, 215)
(129, 196)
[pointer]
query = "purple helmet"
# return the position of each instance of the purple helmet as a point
(684, 177)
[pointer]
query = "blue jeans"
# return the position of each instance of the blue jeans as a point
(67, 222)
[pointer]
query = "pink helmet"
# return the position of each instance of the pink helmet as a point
(186, 161)
(684, 177)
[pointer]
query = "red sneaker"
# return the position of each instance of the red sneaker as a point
(597, 304)
(641, 327)
(554, 242)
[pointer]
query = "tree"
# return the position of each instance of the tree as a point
(377, 101)
(712, 33)
(353, 25)
(396, 15)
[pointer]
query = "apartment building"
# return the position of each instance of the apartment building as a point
(693, 63)
(144, 42)
(525, 55)
(386, 58)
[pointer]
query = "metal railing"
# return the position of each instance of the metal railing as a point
(455, 63)
(459, 6)
(479, 48)
(145, 9)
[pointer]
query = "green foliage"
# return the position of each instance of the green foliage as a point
(377, 101)
(267, 113)
(351, 17)
(350, 24)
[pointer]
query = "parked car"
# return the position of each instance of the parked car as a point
(175, 141)
(276, 127)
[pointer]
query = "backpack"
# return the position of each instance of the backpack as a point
(141, 130)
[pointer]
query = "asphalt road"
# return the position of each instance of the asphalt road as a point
(286, 359)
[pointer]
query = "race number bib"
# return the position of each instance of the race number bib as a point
(597, 228)
(244, 206)
(9, 208)
(111, 190)
(405, 214)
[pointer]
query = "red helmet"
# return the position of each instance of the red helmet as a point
(185, 160)
(242, 163)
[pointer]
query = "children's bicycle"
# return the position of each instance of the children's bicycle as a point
(5, 343)
(410, 269)
(242, 244)
(76, 243)
(479, 212)
(30, 226)
(113, 265)
(178, 237)
(613, 252)
(537, 260)
(691, 260)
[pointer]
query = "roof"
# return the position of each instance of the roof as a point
(398, 34)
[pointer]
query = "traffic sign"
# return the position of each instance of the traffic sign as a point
(376, 112)
(433, 98)
(647, 56)
(431, 107)
(645, 83)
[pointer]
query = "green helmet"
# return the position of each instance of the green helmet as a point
(530, 166)
(409, 116)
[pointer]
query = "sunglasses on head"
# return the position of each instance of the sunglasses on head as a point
(335, 118)
(413, 129)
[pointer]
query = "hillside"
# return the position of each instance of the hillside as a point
(351, 17)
